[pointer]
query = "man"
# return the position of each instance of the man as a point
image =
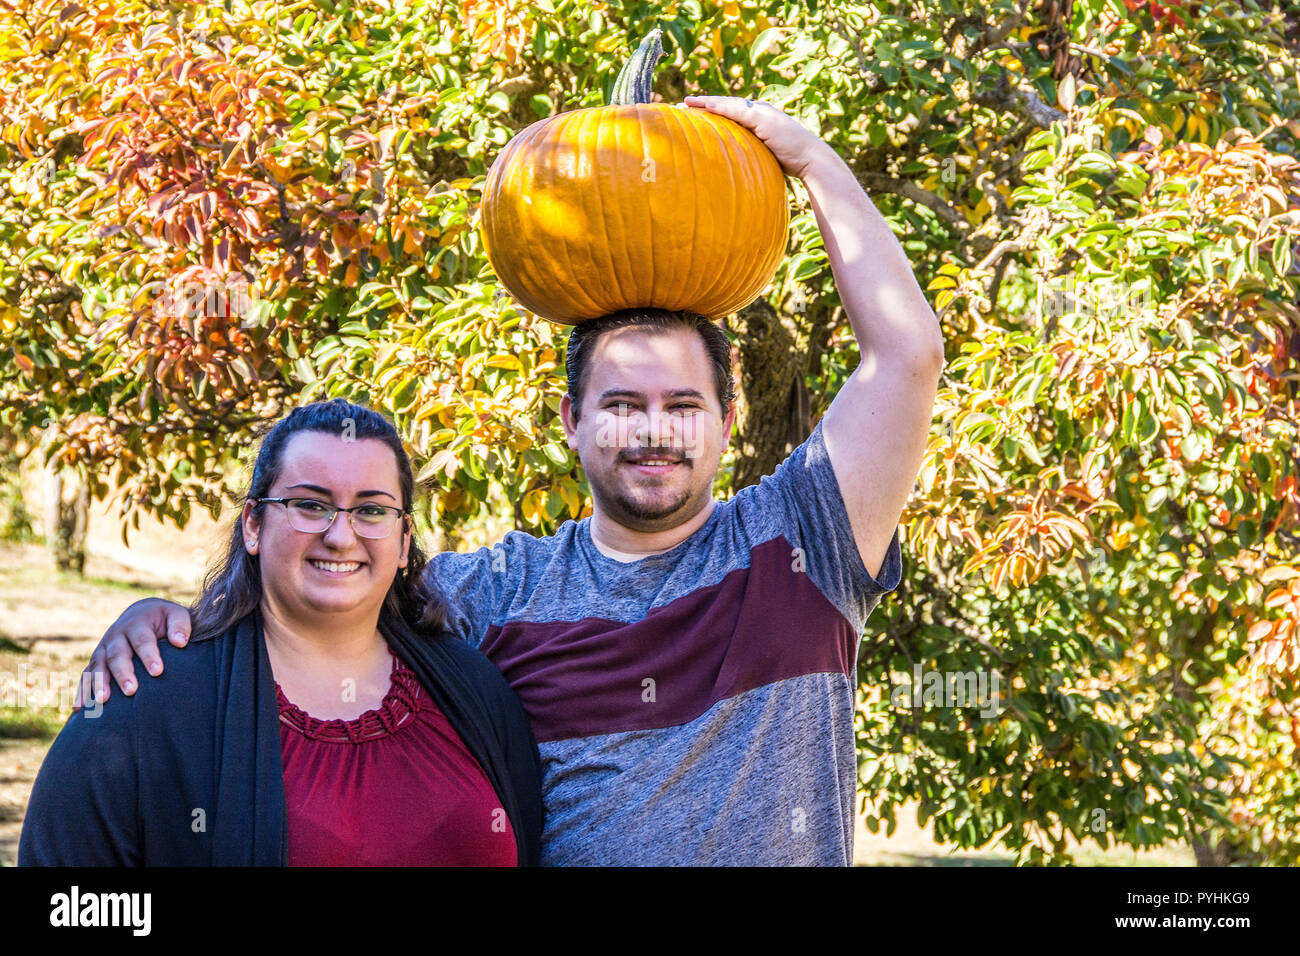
(688, 664)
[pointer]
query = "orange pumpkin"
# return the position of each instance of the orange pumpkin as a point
(635, 204)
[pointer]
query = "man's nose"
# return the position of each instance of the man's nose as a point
(657, 427)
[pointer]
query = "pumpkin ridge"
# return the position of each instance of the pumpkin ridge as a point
(598, 219)
(755, 157)
(517, 272)
(732, 221)
(680, 249)
(689, 293)
(616, 274)
(559, 138)
(743, 193)
(652, 237)
(724, 217)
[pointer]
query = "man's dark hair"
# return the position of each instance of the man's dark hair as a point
(582, 340)
(233, 588)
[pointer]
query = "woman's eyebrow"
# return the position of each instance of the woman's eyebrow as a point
(325, 491)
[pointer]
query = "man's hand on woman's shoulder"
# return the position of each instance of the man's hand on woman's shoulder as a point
(136, 632)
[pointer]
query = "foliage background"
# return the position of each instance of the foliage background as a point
(1101, 196)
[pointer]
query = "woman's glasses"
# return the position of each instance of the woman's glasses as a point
(311, 516)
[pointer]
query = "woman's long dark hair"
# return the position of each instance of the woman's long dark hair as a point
(232, 588)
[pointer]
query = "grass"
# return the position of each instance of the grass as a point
(18, 723)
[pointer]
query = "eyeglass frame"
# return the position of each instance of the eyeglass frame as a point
(334, 513)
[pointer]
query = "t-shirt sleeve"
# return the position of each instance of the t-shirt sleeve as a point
(802, 501)
(471, 586)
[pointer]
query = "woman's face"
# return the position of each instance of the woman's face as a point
(335, 572)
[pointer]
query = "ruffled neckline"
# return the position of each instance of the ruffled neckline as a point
(394, 711)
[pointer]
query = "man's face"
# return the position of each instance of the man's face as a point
(652, 428)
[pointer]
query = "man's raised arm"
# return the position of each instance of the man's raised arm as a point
(876, 428)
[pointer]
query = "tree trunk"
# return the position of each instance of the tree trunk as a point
(773, 409)
(65, 522)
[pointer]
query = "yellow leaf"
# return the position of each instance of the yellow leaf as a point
(999, 573)
(532, 506)
(1281, 572)
(1065, 92)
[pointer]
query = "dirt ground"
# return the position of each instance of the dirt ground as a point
(49, 623)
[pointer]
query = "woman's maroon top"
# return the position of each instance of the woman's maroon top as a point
(393, 787)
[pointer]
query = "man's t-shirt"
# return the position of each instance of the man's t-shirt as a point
(696, 706)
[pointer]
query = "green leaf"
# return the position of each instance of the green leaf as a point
(1281, 255)
(765, 41)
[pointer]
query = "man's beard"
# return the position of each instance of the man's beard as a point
(652, 515)
(629, 510)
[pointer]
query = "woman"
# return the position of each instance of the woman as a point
(317, 716)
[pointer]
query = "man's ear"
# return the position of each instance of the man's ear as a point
(570, 421)
(727, 424)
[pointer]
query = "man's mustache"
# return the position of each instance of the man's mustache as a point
(651, 451)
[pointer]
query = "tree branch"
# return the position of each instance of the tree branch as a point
(881, 183)
(1020, 100)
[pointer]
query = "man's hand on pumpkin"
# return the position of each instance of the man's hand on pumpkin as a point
(793, 145)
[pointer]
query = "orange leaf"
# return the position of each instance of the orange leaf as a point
(1260, 630)
(1278, 598)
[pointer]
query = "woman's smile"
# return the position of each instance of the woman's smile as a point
(335, 569)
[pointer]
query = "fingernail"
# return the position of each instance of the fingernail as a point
(129, 686)
(179, 636)
(154, 668)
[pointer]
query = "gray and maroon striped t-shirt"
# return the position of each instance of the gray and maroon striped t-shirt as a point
(695, 706)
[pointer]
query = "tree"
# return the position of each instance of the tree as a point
(210, 211)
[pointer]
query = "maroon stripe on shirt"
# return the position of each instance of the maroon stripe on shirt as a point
(758, 625)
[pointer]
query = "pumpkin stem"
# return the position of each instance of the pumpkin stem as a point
(633, 83)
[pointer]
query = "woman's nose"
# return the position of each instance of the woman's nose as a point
(340, 533)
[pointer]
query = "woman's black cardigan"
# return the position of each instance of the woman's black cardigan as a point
(187, 772)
